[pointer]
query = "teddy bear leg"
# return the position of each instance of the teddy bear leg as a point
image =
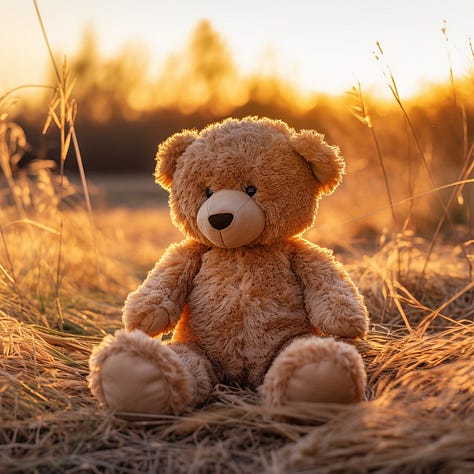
(315, 370)
(132, 372)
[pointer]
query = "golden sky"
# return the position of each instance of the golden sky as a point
(319, 45)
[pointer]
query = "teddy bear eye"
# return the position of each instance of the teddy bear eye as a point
(250, 190)
(209, 192)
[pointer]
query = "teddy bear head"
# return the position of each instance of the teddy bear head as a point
(246, 182)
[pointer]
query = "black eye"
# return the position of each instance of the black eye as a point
(250, 190)
(209, 192)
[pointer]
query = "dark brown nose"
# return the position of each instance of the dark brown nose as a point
(221, 221)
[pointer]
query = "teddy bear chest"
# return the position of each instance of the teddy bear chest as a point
(238, 289)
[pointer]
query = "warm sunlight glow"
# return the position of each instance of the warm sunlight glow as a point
(317, 46)
(82, 222)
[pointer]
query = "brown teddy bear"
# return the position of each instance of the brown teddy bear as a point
(249, 301)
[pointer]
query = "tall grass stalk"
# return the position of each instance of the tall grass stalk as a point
(361, 112)
(468, 165)
(467, 168)
(455, 195)
(411, 181)
(12, 276)
(85, 188)
(392, 85)
(23, 86)
(401, 202)
(62, 111)
(451, 73)
(12, 143)
(470, 213)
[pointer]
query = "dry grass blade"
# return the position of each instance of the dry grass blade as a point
(456, 193)
(424, 325)
(12, 144)
(64, 121)
(392, 85)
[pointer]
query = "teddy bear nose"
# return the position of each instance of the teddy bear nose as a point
(221, 221)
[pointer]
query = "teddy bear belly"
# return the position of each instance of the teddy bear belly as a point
(254, 313)
(252, 332)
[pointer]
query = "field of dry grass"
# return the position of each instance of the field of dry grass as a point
(419, 356)
(419, 418)
(66, 268)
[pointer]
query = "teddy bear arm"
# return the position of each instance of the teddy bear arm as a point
(333, 303)
(156, 305)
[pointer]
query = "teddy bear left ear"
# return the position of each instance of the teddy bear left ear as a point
(327, 164)
(168, 153)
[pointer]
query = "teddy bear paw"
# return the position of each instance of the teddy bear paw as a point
(133, 373)
(315, 370)
(154, 321)
(324, 382)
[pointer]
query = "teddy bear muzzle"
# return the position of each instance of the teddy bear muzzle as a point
(231, 219)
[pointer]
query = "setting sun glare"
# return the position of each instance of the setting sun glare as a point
(317, 46)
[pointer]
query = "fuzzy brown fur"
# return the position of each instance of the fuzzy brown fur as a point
(236, 312)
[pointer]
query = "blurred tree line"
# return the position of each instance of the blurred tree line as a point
(123, 114)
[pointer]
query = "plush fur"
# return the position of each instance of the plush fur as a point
(258, 312)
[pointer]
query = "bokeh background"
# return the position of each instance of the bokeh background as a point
(391, 85)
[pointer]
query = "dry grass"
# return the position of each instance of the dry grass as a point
(419, 354)
(420, 418)
(64, 276)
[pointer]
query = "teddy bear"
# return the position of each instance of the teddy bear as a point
(247, 300)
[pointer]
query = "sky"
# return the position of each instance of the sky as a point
(323, 46)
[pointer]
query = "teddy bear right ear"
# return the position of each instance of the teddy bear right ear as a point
(168, 153)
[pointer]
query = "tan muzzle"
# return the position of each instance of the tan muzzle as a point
(230, 219)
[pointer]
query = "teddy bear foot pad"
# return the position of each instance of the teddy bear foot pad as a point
(316, 370)
(133, 373)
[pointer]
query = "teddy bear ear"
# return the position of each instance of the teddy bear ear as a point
(327, 164)
(168, 153)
